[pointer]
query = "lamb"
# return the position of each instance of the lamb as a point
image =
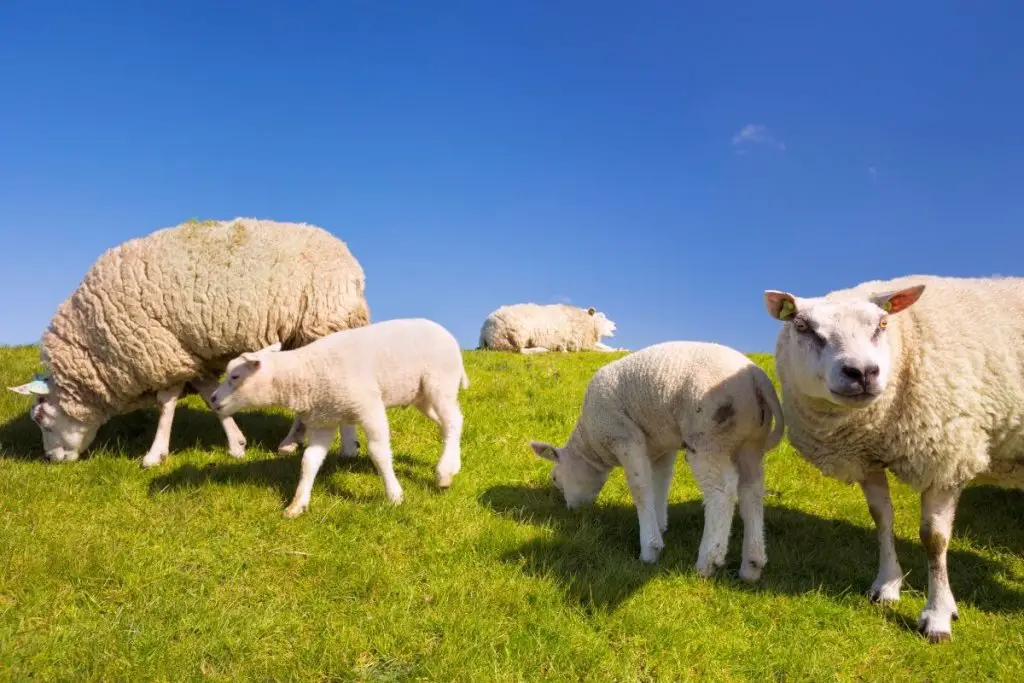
(920, 375)
(356, 375)
(161, 312)
(534, 328)
(638, 411)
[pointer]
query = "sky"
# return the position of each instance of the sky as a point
(665, 162)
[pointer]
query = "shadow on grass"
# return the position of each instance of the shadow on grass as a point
(594, 551)
(132, 433)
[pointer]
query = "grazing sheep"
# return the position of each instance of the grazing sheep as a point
(638, 411)
(921, 375)
(355, 376)
(169, 309)
(533, 328)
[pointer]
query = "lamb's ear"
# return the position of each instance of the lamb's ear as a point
(273, 348)
(901, 299)
(780, 305)
(591, 310)
(545, 450)
(36, 387)
(252, 358)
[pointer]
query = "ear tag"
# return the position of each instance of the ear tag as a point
(550, 453)
(887, 306)
(787, 309)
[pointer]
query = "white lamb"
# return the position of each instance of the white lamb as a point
(638, 411)
(533, 328)
(353, 376)
(932, 390)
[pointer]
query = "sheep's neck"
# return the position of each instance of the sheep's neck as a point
(289, 387)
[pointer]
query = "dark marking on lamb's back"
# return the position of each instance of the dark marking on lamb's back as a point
(724, 413)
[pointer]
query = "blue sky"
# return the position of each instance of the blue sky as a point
(663, 161)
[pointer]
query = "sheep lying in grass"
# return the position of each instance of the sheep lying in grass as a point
(638, 411)
(167, 310)
(920, 375)
(354, 376)
(533, 328)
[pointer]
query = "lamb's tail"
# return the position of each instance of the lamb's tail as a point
(766, 396)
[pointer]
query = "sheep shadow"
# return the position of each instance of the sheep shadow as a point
(281, 475)
(594, 552)
(130, 435)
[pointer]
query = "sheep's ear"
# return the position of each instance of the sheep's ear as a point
(252, 358)
(591, 310)
(894, 302)
(36, 387)
(545, 450)
(780, 305)
(273, 348)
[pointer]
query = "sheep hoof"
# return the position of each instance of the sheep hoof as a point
(444, 481)
(751, 571)
(152, 460)
(707, 569)
(287, 448)
(885, 593)
(936, 627)
(294, 510)
(237, 451)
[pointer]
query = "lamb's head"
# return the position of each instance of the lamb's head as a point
(604, 326)
(64, 438)
(577, 479)
(838, 350)
(246, 383)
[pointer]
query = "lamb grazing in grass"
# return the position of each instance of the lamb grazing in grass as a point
(638, 411)
(920, 375)
(533, 328)
(354, 376)
(170, 309)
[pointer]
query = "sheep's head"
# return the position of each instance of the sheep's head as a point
(245, 383)
(838, 350)
(604, 326)
(577, 479)
(64, 438)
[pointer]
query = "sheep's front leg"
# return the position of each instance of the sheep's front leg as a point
(750, 463)
(294, 438)
(530, 350)
(886, 588)
(640, 476)
(378, 442)
(236, 440)
(663, 469)
(168, 401)
(938, 507)
(320, 441)
(718, 479)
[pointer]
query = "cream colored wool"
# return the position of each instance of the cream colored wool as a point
(554, 327)
(640, 410)
(178, 304)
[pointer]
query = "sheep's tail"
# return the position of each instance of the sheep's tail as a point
(766, 396)
(464, 383)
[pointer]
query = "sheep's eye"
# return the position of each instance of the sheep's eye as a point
(882, 323)
(800, 325)
(234, 378)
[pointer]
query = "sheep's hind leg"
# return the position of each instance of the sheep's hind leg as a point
(293, 439)
(938, 507)
(886, 588)
(718, 479)
(312, 458)
(750, 463)
(449, 418)
(168, 401)
(349, 441)
(236, 440)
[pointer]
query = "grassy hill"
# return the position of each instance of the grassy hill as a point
(189, 571)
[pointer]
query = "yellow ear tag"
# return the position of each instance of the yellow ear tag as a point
(787, 310)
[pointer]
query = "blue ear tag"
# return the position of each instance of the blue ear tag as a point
(39, 386)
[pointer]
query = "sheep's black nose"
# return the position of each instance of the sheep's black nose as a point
(869, 372)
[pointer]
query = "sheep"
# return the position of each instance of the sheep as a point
(638, 411)
(534, 328)
(356, 375)
(165, 311)
(920, 375)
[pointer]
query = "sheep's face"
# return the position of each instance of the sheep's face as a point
(244, 382)
(64, 438)
(577, 479)
(604, 326)
(838, 351)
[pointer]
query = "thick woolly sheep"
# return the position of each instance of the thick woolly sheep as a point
(354, 376)
(171, 308)
(920, 375)
(640, 410)
(535, 328)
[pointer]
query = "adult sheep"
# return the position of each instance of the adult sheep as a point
(921, 375)
(535, 328)
(170, 309)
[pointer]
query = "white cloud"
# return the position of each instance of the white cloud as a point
(755, 134)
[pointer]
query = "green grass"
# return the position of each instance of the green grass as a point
(189, 571)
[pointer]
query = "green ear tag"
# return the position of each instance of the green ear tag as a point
(887, 306)
(787, 310)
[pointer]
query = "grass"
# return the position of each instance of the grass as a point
(189, 571)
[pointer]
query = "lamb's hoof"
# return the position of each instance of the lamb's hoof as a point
(350, 451)
(663, 527)
(751, 570)
(152, 460)
(294, 510)
(708, 569)
(237, 451)
(935, 627)
(885, 593)
(287, 448)
(396, 497)
(444, 481)
(651, 553)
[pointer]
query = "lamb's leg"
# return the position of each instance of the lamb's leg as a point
(449, 417)
(294, 438)
(320, 441)
(640, 476)
(718, 479)
(886, 588)
(750, 463)
(663, 469)
(531, 350)
(938, 506)
(168, 400)
(349, 441)
(236, 440)
(601, 346)
(378, 442)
